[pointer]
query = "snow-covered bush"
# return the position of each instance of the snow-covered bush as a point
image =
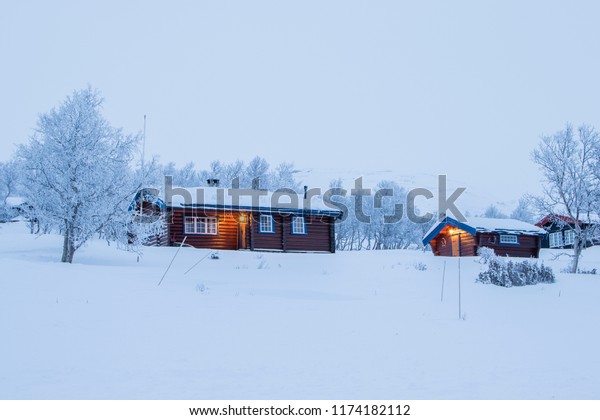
(486, 254)
(508, 274)
(7, 213)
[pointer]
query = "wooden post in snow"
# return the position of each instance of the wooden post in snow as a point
(443, 277)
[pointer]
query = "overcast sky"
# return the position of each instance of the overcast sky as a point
(421, 87)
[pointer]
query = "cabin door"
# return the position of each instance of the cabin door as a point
(454, 242)
(242, 244)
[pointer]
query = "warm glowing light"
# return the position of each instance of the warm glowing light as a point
(242, 218)
(452, 231)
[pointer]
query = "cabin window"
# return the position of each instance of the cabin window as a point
(569, 237)
(265, 224)
(556, 240)
(201, 225)
(509, 239)
(298, 225)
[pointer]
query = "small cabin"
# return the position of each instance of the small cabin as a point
(507, 237)
(561, 231)
(242, 219)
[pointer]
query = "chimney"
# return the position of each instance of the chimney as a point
(305, 191)
(212, 182)
(256, 183)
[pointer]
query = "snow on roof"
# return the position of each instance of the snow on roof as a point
(216, 197)
(15, 201)
(484, 224)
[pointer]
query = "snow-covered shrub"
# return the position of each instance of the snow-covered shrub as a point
(496, 274)
(6, 214)
(486, 254)
(508, 274)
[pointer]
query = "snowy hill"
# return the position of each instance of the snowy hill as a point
(249, 325)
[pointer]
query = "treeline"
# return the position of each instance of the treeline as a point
(270, 178)
(365, 227)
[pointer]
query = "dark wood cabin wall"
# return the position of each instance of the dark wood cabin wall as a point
(317, 237)
(528, 245)
(227, 231)
(267, 240)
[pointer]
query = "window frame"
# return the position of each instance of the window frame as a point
(261, 224)
(503, 239)
(294, 225)
(205, 221)
(555, 239)
(570, 234)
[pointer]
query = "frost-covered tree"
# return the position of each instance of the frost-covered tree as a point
(258, 168)
(231, 171)
(494, 212)
(77, 176)
(283, 177)
(9, 179)
(523, 211)
(187, 176)
(379, 222)
(569, 161)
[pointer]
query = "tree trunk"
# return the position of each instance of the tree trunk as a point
(577, 247)
(65, 253)
(68, 247)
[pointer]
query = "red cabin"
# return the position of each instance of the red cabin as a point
(220, 218)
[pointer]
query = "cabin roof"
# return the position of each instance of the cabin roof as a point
(552, 218)
(13, 201)
(246, 199)
(148, 197)
(473, 225)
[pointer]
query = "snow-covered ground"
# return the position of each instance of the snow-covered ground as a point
(352, 325)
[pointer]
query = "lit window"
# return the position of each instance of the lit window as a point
(569, 237)
(266, 224)
(556, 240)
(508, 239)
(298, 226)
(200, 225)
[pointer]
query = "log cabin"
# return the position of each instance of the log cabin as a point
(241, 219)
(561, 231)
(507, 237)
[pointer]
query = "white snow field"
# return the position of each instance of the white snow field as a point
(250, 325)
